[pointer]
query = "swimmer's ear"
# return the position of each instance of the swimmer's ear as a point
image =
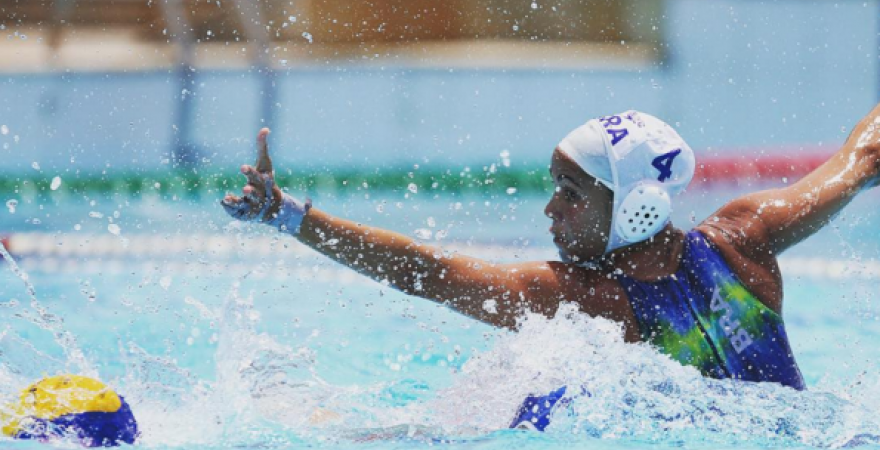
(264, 162)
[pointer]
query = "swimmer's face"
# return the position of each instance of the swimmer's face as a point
(580, 209)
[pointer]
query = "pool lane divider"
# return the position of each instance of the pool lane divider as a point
(216, 254)
(740, 167)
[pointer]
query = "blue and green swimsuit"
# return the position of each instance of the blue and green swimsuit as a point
(701, 316)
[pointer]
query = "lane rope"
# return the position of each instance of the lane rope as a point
(278, 256)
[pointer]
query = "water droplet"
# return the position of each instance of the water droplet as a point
(95, 215)
(36, 221)
(413, 188)
(511, 190)
(307, 36)
(35, 165)
(56, 183)
(431, 222)
(4, 130)
(292, 19)
(423, 233)
(165, 282)
(77, 227)
(11, 204)
(113, 229)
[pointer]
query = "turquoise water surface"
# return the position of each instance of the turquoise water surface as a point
(226, 335)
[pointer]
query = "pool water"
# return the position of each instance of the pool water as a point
(227, 335)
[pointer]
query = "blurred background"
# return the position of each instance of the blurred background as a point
(123, 122)
(93, 89)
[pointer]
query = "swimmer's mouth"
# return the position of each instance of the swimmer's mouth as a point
(557, 238)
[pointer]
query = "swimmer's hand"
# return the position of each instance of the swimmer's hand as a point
(262, 200)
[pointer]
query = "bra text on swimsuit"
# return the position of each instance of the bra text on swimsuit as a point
(739, 338)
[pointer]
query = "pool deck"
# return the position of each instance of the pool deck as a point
(84, 49)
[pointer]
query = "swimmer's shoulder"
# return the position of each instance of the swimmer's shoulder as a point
(596, 292)
(746, 248)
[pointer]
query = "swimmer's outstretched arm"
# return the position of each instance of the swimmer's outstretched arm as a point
(492, 293)
(772, 221)
(459, 281)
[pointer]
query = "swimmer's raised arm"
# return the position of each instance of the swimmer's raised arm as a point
(492, 293)
(772, 221)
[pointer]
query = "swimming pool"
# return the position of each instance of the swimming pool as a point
(219, 335)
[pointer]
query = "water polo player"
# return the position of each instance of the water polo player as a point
(710, 297)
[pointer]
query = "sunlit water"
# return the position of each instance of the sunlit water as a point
(287, 350)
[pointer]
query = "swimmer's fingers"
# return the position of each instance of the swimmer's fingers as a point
(261, 198)
(240, 208)
(256, 185)
(264, 162)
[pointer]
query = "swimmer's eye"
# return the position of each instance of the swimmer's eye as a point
(570, 195)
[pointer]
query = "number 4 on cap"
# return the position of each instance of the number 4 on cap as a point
(663, 164)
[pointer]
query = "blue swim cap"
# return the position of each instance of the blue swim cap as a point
(70, 406)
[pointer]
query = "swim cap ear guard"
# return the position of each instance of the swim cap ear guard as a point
(649, 164)
(643, 213)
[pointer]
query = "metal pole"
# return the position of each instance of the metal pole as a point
(251, 17)
(184, 153)
(61, 12)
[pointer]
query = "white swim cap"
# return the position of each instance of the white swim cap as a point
(642, 160)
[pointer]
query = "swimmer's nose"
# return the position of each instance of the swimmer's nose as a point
(548, 211)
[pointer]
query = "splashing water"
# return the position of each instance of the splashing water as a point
(266, 392)
(49, 322)
(630, 391)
